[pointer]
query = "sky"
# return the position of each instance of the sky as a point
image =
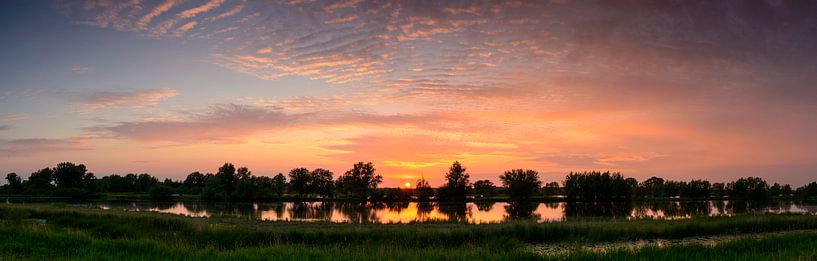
(683, 90)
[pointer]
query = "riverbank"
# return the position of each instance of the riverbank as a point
(44, 231)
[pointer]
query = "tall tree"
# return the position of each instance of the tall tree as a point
(40, 181)
(423, 190)
(521, 184)
(69, 175)
(750, 187)
(321, 182)
(301, 180)
(457, 184)
(361, 180)
(484, 188)
(15, 182)
(279, 183)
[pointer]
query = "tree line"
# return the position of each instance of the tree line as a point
(361, 182)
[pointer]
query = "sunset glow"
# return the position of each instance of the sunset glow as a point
(171, 87)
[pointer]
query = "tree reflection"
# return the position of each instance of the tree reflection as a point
(598, 209)
(484, 206)
(521, 210)
(424, 208)
(455, 211)
(311, 210)
(359, 212)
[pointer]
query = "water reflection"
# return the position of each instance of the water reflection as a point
(479, 212)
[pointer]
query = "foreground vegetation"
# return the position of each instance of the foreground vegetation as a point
(41, 231)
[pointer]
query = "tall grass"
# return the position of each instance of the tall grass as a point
(41, 231)
(794, 246)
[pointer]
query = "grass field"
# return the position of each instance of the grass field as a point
(45, 231)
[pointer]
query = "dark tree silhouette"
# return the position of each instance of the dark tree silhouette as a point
(457, 184)
(321, 182)
(593, 186)
(718, 190)
(161, 192)
(221, 185)
(300, 180)
(194, 183)
(361, 180)
(521, 184)
(809, 190)
(484, 188)
(40, 181)
(15, 182)
(652, 187)
(423, 190)
(279, 184)
(749, 188)
(69, 175)
(551, 189)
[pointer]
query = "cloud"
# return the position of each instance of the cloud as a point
(5, 127)
(156, 11)
(13, 117)
(79, 69)
(648, 87)
(212, 4)
(28, 147)
(137, 99)
(231, 123)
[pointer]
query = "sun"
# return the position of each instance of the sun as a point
(408, 185)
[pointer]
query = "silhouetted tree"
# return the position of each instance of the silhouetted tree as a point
(809, 190)
(361, 180)
(718, 190)
(751, 187)
(551, 189)
(279, 183)
(321, 182)
(696, 188)
(160, 192)
(300, 180)
(591, 186)
(776, 190)
(521, 184)
(40, 182)
(787, 191)
(145, 181)
(457, 184)
(221, 185)
(69, 175)
(423, 190)
(652, 187)
(15, 183)
(243, 174)
(194, 183)
(484, 188)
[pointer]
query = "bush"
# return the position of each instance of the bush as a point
(161, 192)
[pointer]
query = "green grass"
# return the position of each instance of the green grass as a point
(42, 231)
(794, 246)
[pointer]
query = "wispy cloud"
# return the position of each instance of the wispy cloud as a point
(231, 123)
(28, 147)
(212, 4)
(13, 117)
(80, 69)
(136, 99)
(156, 11)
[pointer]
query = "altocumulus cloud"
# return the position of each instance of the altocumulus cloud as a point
(116, 99)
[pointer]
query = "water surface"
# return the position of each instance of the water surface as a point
(472, 212)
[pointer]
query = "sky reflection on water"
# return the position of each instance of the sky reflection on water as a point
(472, 212)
